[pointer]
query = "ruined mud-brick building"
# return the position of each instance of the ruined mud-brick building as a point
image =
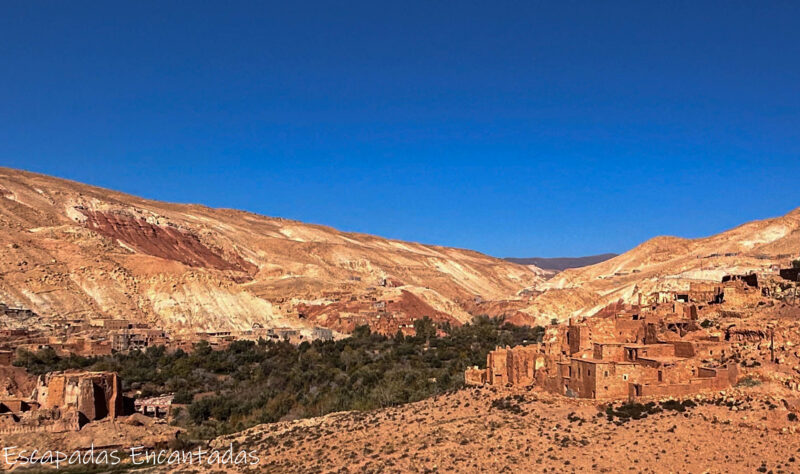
(6, 357)
(16, 313)
(63, 402)
(95, 395)
(137, 339)
(111, 324)
(156, 407)
(622, 351)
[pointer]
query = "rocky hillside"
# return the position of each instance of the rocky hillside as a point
(69, 250)
(484, 430)
(672, 263)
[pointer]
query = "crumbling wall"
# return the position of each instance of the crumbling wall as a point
(707, 379)
(497, 367)
(740, 295)
(628, 330)
(39, 421)
(95, 395)
(521, 361)
(743, 334)
(475, 376)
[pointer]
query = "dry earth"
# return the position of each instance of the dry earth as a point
(486, 430)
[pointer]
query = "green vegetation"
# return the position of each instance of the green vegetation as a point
(636, 411)
(631, 410)
(250, 383)
(748, 381)
(510, 404)
(678, 406)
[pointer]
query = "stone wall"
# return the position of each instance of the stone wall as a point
(740, 295)
(707, 379)
(475, 376)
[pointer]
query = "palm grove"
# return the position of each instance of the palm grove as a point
(250, 383)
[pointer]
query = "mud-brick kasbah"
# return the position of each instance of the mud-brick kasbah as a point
(654, 348)
(64, 402)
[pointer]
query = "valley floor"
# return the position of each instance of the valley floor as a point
(489, 430)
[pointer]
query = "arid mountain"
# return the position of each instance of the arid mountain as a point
(672, 263)
(73, 251)
(562, 263)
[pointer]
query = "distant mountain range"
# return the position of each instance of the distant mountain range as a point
(562, 263)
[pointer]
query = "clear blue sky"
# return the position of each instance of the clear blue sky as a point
(513, 128)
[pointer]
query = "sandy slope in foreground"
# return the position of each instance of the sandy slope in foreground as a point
(464, 432)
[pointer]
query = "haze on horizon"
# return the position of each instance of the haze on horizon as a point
(564, 130)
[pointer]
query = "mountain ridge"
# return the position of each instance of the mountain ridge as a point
(75, 250)
(70, 250)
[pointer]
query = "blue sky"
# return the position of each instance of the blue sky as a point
(513, 128)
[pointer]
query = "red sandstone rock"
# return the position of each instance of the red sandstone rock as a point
(162, 241)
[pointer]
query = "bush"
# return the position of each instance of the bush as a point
(507, 404)
(675, 405)
(632, 411)
(748, 382)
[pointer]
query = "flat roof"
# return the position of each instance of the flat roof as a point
(646, 346)
(663, 360)
(601, 361)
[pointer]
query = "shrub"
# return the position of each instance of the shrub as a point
(678, 406)
(748, 382)
(632, 411)
(507, 404)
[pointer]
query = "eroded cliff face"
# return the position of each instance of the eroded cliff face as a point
(69, 250)
(163, 241)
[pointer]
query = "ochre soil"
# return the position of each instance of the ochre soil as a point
(489, 430)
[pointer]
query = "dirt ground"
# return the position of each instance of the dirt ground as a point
(487, 430)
